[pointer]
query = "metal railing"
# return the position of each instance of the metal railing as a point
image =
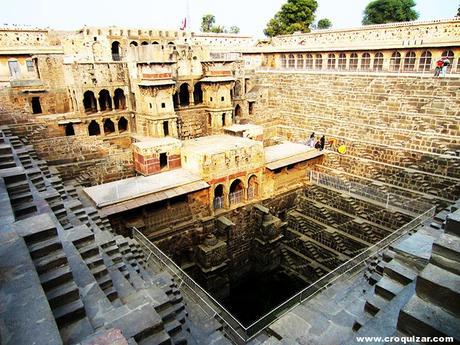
(236, 197)
(388, 200)
(239, 333)
(252, 191)
(218, 202)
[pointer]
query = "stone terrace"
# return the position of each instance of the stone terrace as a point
(71, 279)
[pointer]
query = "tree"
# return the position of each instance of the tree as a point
(207, 22)
(295, 15)
(324, 23)
(389, 11)
(234, 29)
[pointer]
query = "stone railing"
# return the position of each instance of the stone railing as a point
(399, 65)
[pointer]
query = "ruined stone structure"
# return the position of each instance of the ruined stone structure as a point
(136, 162)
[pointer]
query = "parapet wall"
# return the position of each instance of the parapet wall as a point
(399, 34)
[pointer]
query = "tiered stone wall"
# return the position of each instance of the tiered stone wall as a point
(397, 129)
(91, 160)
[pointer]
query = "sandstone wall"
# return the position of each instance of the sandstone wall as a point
(402, 130)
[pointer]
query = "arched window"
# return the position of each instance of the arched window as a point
(378, 61)
(145, 43)
(105, 102)
(309, 61)
(122, 125)
(236, 194)
(409, 61)
(155, 42)
(197, 93)
(291, 61)
(218, 201)
(94, 128)
(184, 96)
(283, 61)
(119, 99)
(89, 102)
(299, 61)
(342, 61)
(366, 62)
(331, 61)
(395, 61)
(458, 65)
(353, 61)
(116, 54)
(109, 126)
(450, 55)
(253, 187)
(133, 44)
(238, 111)
(425, 61)
(318, 61)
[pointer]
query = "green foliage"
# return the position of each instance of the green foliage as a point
(324, 23)
(234, 29)
(389, 11)
(295, 15)
(218, 29)
(207, 22)
(208, 25)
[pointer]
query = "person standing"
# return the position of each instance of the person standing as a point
(322, 143)
(445, 66)
(438, 68)
(311, 140)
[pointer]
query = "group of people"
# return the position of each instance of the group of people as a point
(441, 67)
(317, 144)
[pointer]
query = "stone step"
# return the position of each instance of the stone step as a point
(69, 313)
(50, 262)
(104, 282)
(111, 293)
(446, 253)
(423, 319)
(42, 248)
(56, 277)
(440, 287)
(180, 338)
(453, 223)
(388, 288)
(63, 294)
(159, 338)
(374, 304)
(399, 272)
(21, 198)
(99, 271)
(94, 261)
(89, 250)
(25, 209)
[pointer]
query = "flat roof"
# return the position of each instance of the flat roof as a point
(147, 82)
(216, 79)
(278, 156)
(152, 142)
(171, 183)
(218, 144)
(241, 128)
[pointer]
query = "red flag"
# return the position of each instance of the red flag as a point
(184, 24)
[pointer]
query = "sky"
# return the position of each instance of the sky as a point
(250, 16)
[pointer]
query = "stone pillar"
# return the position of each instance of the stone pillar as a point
(211, 259)
(190, 97)
(266, 254)
(101, 126)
